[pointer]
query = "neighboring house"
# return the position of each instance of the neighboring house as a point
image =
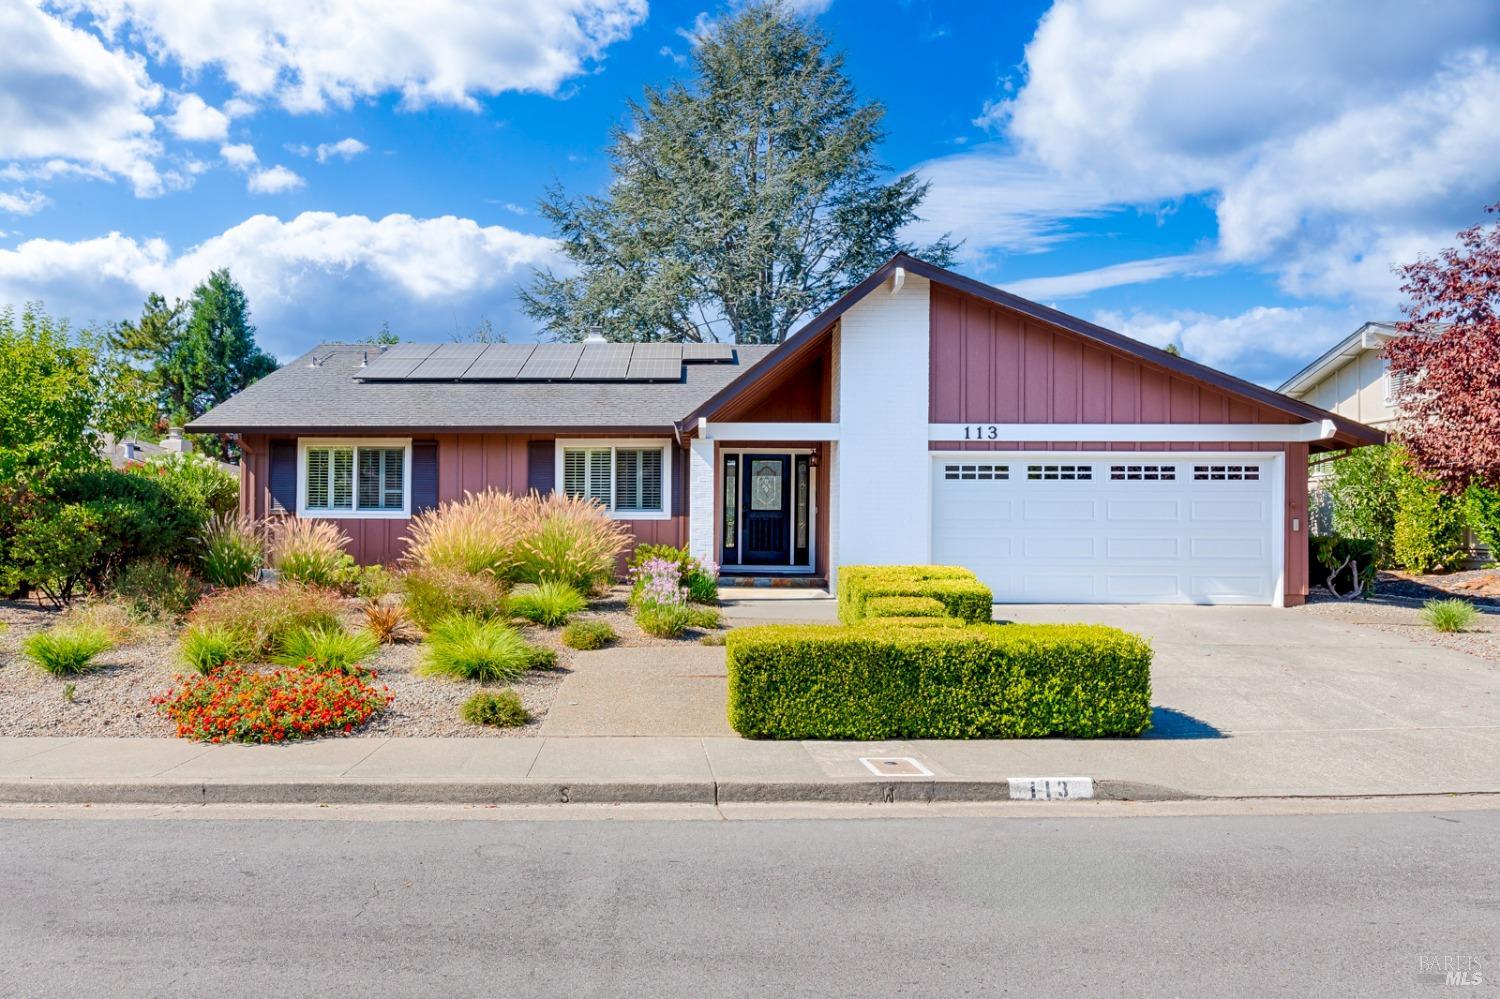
(1351, 379)
(924, 417)
(128, 450)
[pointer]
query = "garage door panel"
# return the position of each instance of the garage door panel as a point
(1152, 532)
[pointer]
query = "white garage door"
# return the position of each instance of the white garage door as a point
(1138, 529)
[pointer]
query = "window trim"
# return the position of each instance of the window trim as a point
(664, 444)
(304, 444)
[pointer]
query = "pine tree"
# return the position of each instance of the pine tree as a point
(741, 203)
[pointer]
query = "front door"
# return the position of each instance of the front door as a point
(767, 504)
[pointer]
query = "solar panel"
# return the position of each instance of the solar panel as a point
(499, 362)
(417, 350)
(448, 362)
(386, 368)
(603, 362)
(655, 369)
(552, 362)
(707, 353)
(657, 350)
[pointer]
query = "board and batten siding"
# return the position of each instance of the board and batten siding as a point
(465, 463)
(990, 365)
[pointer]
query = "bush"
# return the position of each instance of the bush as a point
(158, 590)
(500, 708)
(1429, 526)
(433, 593)
(196, 477)
(905, 607)
(588, 635)
(206, 648)
(549, 604)
(957, 589)
(543, 657)
(664, 620)
(467, 647)
(1362, 489)
(702, 617)
(475, 535)
(134, 517)
(700, 578)
(713, 638)
(385, 621)
(1482, 507)
(311, 552)
(261, 618)
(371, 582)
(240, 705)
(68, 650)
(53, 549)
(233, 549)
(322, 648)
(567, 540)
(913, 622)
(1449, 615)
(1343, 566)
(991, 681)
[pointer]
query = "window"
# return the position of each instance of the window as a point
(629, 480)
(1227, 473)
(976, 471)
(1070, 472)
(353, 479)
(1144, 473)
(1395, 383)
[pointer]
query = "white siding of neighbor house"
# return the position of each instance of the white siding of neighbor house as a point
(883, 501)
(1356, 389)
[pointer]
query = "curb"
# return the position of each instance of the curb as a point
(524, 792)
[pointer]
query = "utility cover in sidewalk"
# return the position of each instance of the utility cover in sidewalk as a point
(894, 766)
(1050, 788)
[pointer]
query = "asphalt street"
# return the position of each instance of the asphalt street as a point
(1361, 904)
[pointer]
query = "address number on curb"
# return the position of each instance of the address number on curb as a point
(1051, 788)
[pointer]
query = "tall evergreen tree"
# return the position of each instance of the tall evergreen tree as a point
(742, 201)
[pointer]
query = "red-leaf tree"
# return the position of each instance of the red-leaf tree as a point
(1446, 370)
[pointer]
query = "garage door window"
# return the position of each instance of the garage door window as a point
(1227, 473)
(1143, 473)
(991, 472)
(1080, 473)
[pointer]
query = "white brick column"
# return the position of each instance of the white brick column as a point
(701, 499)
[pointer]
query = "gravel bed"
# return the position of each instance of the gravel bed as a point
(115, 699)
(1392, 610)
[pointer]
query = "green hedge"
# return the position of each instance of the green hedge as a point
(877, 607)
(913, 622)
(992, 681)
(959, 591)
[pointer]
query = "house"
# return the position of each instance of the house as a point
(1351, 378)
(924, 417)
(130, 450)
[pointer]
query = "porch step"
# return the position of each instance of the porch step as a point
(777, 582)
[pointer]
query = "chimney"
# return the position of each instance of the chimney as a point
(176, 442)
(595, 334)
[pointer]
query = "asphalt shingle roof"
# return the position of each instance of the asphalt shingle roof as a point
(300, 397)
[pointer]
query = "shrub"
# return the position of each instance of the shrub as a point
(588, 635)
(475, 535)
(467, 647)
(1449, 615)
(311, 552)
(386, 622)
(500, 708)
(567, 540)
(713, 638)
(432, 594)
(957, 589)
(67, 650)
(549, 604)
(53, 550)
(371, 582)
(664, 620)
(1362, 490)
(1344, 566)
(158, 590)
(1429, 525)
(543, 657)
(196, 477)
(233, 550)
(133, 517)
(700, 578)
(323, 648)
(206, 648)
(905, 607)
(913, 622)
(1482, 506)
(992, 681)
(702, 617)
(262, 617)
(240, 705)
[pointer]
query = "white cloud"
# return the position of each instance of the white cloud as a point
(68, 104)
(316, 276)
(1131, 272)
(344, 149)
(274, 180)
(308, 56)
(22, 202)
(1327, 136)
(195, 121)
(240, 155)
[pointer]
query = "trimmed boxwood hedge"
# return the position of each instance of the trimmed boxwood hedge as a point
(913, 622)
(904, 607)
(989, 681)
(959, 591)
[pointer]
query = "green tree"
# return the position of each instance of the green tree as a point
(383, 337)
(214, 356)
(1363, 493)
(741, 202)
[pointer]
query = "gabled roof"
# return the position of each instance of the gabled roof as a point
(797, 347)
(1370, 336)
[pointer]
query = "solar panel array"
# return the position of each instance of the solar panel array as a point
(542, 362)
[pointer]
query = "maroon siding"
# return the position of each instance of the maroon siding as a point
(466, 463)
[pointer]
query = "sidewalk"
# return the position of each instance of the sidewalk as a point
(711, 770)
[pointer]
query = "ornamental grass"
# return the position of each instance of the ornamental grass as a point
(311, 552)
(568, 540)
(549, 604)
(261, 617)
(233, 550)
(241, 705)
(477, 534)
(67, 650)
(323, 649)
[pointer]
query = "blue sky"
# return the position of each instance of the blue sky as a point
(1237, 178)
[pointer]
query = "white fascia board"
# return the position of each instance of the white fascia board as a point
(1312, 431)
(788, 432)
